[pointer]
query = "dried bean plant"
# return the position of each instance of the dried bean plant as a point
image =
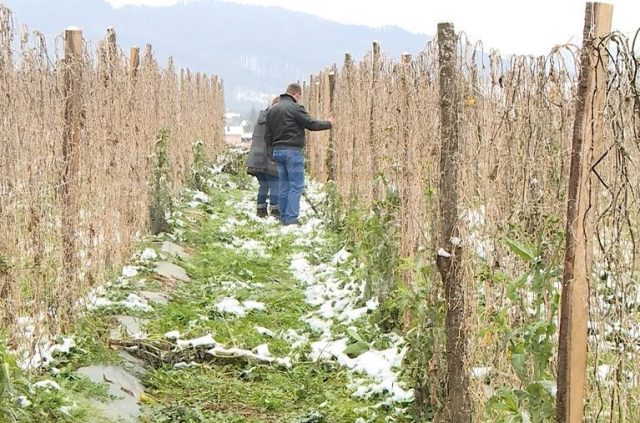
(517, 117)
(122, 108)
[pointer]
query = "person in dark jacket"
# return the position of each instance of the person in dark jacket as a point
(261, 165)
(285, 139)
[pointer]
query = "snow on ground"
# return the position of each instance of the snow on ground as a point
(133, 302)
(231, 305)
(46, 384)
(148, 254)
(329, 288)
(337, 299)
(251, 246)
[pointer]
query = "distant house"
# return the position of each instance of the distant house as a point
(237, 130)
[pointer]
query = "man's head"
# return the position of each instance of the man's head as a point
(295, 90)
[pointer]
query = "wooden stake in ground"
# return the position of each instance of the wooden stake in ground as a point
(134, 61)
(331, 165)
(373, 136)
(70, 143)
(449, 260)
(581, 206)
(407, 246)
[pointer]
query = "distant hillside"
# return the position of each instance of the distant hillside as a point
(256, 50)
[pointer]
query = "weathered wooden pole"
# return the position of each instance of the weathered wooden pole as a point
(112, 51)
(348, 77)
(331, 165)
(71, 140)
(449, 258)
(581, 206)
(407, 246)
(134, 62)
(373, 136)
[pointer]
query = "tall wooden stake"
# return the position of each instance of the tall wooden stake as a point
(449, 259)
(581, 206)
(134, 62)
(70, 143)
(407, 246)
(331, 166)
(373, 135)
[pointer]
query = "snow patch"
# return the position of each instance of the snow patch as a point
(65, 348)
(233, 306)
(200, 197)
(46, 384)
(129, 271)
(265, 331)
(149, 254)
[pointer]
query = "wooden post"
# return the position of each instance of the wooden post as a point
(134, 62)
(147, 58)
(373, 138)
(449, 256)
(581, 206)
(331, 165)
(70, 142)
(407, 246)
(332, 88)
(112, 51)
(348, 75)
(317, 87)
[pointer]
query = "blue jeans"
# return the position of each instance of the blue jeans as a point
(268, 187)
(291, 174)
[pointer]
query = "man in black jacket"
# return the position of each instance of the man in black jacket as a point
(285, 137)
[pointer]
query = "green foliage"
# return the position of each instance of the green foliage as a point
(198, 166)
(424, 363)
(530, 343)
(13, 384)
(160, 205)
(240, 391)
(357, 345)
(21, 402)
(333, 212)
(235, 167)
(374, 238)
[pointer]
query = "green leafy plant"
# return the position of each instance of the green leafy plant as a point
(374, 237)
(11, 384)
(357, 345)
(529, 344)
(424, 363)
(160, 205)
(198, 165)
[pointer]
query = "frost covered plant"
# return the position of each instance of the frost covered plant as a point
(160, 205)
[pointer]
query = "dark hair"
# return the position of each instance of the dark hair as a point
(294, 88)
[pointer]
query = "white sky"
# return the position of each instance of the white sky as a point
(512, 26)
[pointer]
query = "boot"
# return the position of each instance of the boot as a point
(262, 210)
(275, 211)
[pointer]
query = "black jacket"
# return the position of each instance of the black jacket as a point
(258, 161)
(286, 122)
